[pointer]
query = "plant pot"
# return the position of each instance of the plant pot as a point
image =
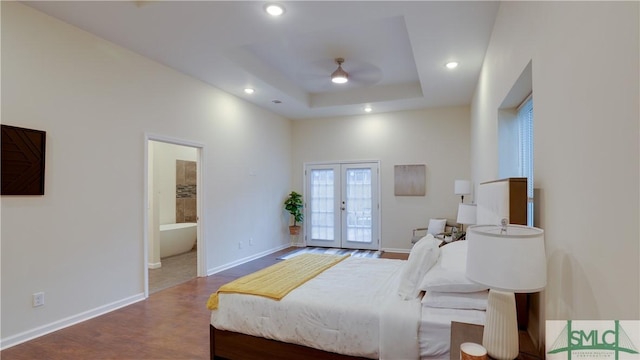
(294, 230)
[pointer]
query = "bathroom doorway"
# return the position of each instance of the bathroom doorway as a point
(172, 243)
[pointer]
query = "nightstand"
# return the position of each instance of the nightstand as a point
(463, 332)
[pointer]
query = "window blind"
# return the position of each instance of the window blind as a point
(525, 162)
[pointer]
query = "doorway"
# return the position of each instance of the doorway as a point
(342, 207)
(173, 246)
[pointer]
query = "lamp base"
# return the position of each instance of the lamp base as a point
(500, 336)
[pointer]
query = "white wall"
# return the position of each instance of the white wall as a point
(82, 242)
(508, 144)
(585, 88)
(435, 137)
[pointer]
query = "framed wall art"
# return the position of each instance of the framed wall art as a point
(410, 180)
(22, 157)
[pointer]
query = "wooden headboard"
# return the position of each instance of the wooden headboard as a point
(499, 199)
(505, 198)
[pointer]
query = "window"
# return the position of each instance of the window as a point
(525, 150)
(515, 134)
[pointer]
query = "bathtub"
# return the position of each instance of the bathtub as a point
(177, 238)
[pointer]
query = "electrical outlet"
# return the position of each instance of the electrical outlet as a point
(38, 299)
(250, 241)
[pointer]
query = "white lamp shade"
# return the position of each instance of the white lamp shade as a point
(462, 187)
(466, 214)
(513, 261)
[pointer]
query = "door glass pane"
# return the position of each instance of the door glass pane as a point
(322, 204)
(358, 205)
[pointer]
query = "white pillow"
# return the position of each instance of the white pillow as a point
(449, 275)
(422, 257)
(454, 256)
(436, 226)
(466, 301)
(441, 280)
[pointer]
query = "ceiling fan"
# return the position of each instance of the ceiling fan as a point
(322, 75)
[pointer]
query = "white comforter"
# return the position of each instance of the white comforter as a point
(435, 329)
(352, 308)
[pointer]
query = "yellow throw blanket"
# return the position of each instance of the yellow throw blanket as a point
(278, 280)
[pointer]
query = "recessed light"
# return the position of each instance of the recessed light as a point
(249, 91)
(451, 65)
(368, 109)
(276, 101)
(274, 9)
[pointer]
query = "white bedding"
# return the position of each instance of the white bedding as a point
(435, 329)
(339, 311)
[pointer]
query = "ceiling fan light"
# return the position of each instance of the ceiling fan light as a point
(339, 76)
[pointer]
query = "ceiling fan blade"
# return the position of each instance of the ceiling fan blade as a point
(366, 76)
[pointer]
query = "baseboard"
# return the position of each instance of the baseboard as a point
(152, 266)
(246, 259)
(64, 323)
(298, 244)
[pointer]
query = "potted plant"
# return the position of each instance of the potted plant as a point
(293, 204)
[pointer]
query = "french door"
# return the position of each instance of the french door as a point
(342, 208)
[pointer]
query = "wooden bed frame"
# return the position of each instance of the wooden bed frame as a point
(231, 345)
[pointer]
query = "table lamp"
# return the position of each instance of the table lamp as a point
(466, 214)
(462, 188)
(507, 259)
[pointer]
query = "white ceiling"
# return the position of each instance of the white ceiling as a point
(394, 51)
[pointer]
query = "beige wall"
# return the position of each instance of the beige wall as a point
(585, 89)
(434, 137)
(82, 242)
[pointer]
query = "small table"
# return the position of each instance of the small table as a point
(463, 332)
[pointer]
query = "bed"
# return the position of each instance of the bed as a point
(359, 308)
(354, 310)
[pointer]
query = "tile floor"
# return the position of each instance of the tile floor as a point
(175, 270)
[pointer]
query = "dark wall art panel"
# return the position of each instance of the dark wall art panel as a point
(23, 155)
